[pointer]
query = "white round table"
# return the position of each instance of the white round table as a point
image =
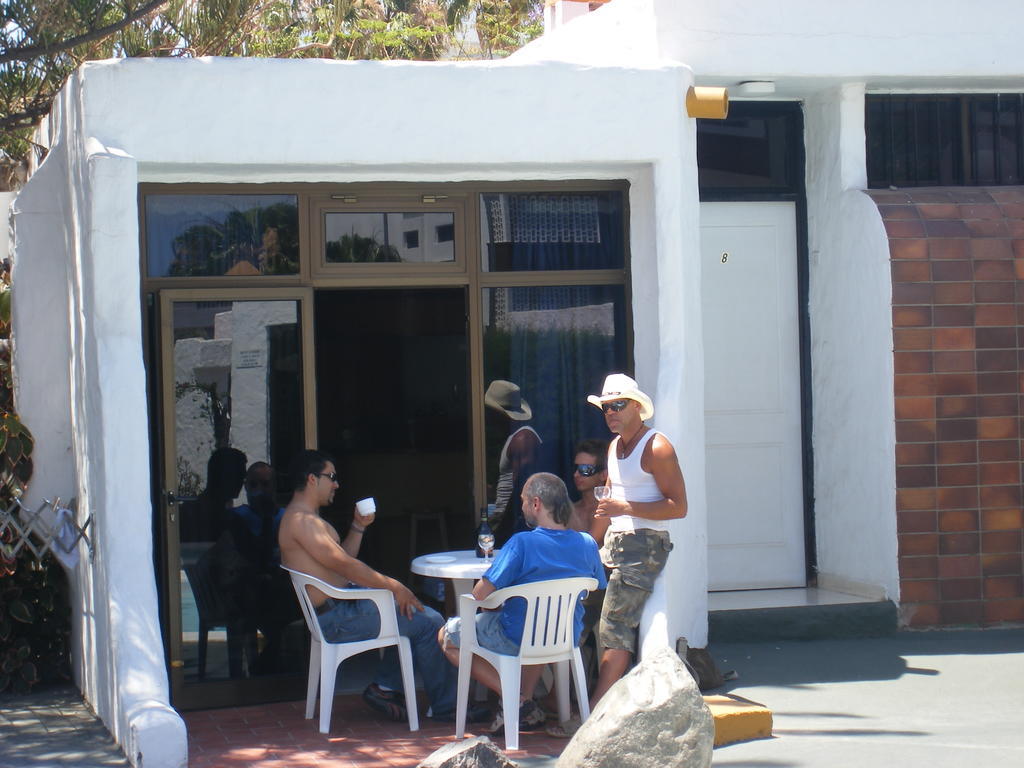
(462, 566)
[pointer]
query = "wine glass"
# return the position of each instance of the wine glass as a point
(486, 543)
(602, 492)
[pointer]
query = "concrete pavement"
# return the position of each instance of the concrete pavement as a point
(941, 699)
(54, 728)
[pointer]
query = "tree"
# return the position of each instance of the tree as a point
(43, 41)
(502, 26)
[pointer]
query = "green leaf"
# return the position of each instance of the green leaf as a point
(12, 446)
(20, 611)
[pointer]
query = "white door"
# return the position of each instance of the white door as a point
(752, 396)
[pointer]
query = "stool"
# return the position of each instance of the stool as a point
(426, 516)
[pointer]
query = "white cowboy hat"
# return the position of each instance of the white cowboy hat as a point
(505, 396)
(619, 386)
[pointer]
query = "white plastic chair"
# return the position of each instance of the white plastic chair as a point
(326, 656)
(548, 637)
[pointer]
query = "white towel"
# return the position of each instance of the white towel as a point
(65, 543)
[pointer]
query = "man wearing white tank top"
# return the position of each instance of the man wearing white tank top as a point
(647, 490)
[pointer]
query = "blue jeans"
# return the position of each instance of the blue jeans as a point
(351, 620)
(489, 633)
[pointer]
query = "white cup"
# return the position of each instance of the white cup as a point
(366, 507)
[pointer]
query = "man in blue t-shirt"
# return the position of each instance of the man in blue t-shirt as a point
(551, 550)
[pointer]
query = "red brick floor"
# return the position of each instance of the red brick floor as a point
(278, 736)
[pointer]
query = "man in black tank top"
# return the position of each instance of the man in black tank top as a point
(637, 545)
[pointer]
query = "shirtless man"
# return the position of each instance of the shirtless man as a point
(647, 491)
(311, 545)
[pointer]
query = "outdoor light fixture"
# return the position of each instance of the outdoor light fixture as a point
(756, 88)
(709, 103)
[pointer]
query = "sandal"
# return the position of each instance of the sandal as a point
(391, 704)
(530, 717)
(564, 730)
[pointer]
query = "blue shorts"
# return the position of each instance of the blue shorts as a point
(489, 633)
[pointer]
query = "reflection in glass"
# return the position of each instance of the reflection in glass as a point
(556, 344)
(552, 231)
(237, 406)
(210, 235)
(376, 237)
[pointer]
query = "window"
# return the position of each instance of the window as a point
(551, 231)
(945, 140)
(375, 237)
(387, 231)
(758, 148)
(445, 233)
(554, 325)
(221, 235)
(556, 344)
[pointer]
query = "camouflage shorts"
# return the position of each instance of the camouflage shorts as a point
(635, 560)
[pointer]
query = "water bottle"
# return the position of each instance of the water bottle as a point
(484, 537)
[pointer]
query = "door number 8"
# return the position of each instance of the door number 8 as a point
(725, 257)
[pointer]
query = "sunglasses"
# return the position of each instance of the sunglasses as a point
(332, 476)
(587, 470)
(614, 405)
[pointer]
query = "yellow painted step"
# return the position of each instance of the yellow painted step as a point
(738, 719)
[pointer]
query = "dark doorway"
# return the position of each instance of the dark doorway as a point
(393, 404)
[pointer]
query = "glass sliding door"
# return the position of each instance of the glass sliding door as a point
(233, 414)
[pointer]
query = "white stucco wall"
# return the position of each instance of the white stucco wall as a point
(529, 121)
(804, 45)
(854, 432)
(874, 41)
(81, 389)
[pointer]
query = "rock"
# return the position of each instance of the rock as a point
(654, 717)
(479, 752)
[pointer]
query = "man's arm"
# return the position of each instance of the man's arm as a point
(318, 543)
(482, 589)
(354, 537)
(599, 527)
(660, 460)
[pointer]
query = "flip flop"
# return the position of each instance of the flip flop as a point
(549, 714)
(564, 730)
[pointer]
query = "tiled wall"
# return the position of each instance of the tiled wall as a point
(957, 258)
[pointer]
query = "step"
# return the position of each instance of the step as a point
(798, 614)
(738, 719)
